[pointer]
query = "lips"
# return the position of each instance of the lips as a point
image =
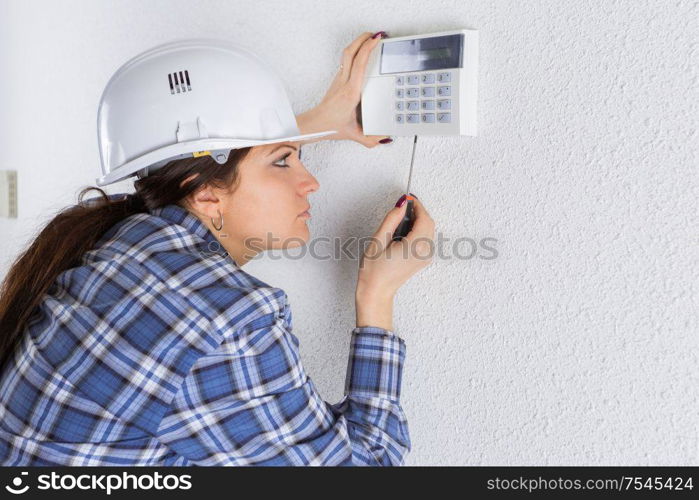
(306, 211)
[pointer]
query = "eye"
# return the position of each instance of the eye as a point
(283, 158)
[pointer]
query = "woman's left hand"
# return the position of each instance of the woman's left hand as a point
(340, 108)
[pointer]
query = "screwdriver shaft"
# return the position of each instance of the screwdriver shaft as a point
(412, 158)
(406, 224)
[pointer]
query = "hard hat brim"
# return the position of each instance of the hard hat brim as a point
(173, 150)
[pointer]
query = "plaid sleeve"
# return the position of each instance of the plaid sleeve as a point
(250, 402)
(377, 424)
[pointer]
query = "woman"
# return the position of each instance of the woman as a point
(130, 335)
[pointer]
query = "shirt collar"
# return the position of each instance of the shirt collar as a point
(183, 217)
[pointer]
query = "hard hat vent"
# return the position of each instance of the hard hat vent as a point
(177, 82)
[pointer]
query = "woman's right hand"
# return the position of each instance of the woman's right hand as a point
(386, 265)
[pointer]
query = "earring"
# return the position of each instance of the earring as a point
(221, 224)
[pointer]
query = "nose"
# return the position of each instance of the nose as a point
(308, 182)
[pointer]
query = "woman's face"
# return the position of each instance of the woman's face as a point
(265, 209)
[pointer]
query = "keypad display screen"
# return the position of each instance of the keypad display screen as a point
(430, 54)
(422, 54)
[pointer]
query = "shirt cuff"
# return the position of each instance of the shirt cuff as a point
(375, 367)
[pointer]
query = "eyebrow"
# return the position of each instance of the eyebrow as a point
(282, 146)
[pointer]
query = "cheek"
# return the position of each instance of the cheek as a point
(261, 205)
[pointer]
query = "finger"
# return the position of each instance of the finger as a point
(423, 225)
(348, 55)
(356, 79)
(388, 226)
(369, 141)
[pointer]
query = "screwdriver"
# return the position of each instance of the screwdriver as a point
(407, 223)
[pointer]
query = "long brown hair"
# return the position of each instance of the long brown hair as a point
(75, 230)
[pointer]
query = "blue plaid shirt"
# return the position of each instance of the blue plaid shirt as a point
(159, 350)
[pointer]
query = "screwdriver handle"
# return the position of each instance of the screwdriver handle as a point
(406, 224)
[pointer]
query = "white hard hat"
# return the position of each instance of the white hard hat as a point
(190, 98)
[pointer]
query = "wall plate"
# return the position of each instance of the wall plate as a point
(8, 193)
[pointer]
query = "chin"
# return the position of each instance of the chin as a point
(297, 238)
(300, 239)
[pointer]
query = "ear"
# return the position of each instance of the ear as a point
(206, 200)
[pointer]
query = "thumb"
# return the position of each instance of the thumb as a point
(388, 226)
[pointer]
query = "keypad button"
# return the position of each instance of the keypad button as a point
(444, 104)
(399, 118)
(399, 80)
(444, 117)
(413, 118)
(444, 77)
(427, 104)
(427, 91)
(444, 91)
(413, 106)
(399, 105)
(427, 78)
(428, 117)
(413, 80)
(414, 92)
(399, 93)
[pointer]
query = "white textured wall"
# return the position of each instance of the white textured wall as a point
(578, 344)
